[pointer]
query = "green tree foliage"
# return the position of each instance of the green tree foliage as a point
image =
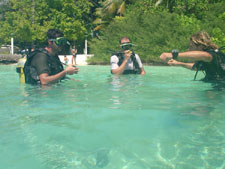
(214, 23)
(151, 33)
(153, 25)
(155, 30)
(29, 20)
(109, 9)
(4, 7)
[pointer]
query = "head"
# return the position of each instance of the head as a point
(201, 41)
(125, 43)
(56, 42)
(74, 50)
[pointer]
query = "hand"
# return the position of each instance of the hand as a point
(71, 69)
(173, 62)
(166, 56)
(127, 54)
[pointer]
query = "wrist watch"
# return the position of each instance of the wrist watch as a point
(175, 53)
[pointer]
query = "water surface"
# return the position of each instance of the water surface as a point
(161, 120)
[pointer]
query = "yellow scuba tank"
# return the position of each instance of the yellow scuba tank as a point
(19, 69)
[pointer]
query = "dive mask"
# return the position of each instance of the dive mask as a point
(64, 43)
(126, 46)
(61, 41)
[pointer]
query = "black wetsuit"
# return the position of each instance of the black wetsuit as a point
(214, 70)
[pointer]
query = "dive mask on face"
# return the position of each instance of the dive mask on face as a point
(61, 41)
(126, 46)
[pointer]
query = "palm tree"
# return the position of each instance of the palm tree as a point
(111, 8)
(158, 3)
(108, 10)
(169, 4)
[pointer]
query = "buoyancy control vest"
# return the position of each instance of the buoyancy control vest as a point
(136, 70)
(214, 70)
(31, 74)
(19, 69)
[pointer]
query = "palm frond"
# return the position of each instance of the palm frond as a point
(121, 8)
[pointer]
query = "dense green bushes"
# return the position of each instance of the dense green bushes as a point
(154, 27)
(156, 31)
(28, 20)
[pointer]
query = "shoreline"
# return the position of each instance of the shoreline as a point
(8, 59)
(145, 64)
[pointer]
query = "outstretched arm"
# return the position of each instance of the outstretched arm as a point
(191, 56)
(173, 62)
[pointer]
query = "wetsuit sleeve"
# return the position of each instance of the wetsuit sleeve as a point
(194, 67)
(114, 62)
(138, 60)
(40, 62)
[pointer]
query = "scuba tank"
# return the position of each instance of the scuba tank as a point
(19, 69)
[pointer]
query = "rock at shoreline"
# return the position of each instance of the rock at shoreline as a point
(8, 58)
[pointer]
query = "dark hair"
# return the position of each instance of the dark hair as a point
(54, 33)
(125, 37)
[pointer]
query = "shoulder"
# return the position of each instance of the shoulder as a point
(212, 52)
(40, 57)
(136, 55)
(114, 57)
(209, 55)
(39, 52)
(217, 55)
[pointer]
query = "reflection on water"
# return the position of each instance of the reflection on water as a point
(161, 120)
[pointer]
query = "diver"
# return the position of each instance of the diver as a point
(202, 55)
(43, 66)
(126, 62)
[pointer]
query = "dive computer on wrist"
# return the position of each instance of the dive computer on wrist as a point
(175, 53)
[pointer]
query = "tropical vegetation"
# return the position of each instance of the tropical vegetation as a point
(153, 25)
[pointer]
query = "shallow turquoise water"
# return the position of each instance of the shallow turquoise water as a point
(161, 120)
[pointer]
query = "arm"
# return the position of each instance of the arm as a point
(46, 79)
(192, 56)
(173, 62)
(143, 71)
(121, 68)
(140, 64)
